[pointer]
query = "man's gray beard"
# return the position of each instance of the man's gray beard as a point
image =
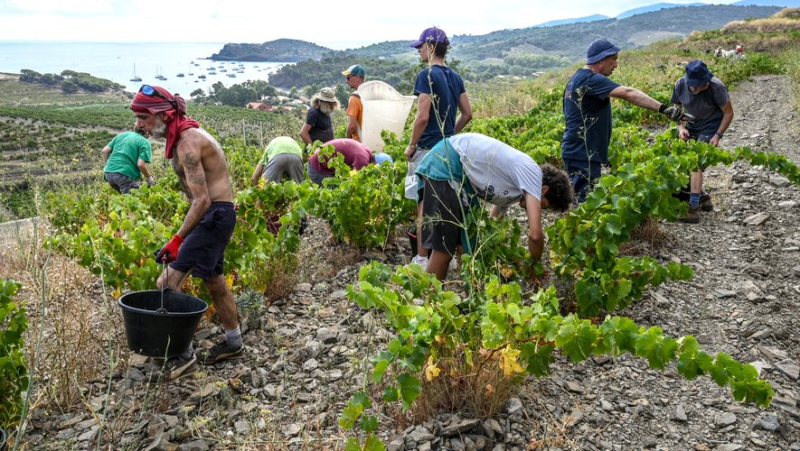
(160, 130)
(325, 108)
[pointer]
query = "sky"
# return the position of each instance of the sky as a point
(324, 22)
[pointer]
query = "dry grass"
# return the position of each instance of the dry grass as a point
(479, 390)
(72, 324)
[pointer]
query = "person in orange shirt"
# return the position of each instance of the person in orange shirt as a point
(355, 109)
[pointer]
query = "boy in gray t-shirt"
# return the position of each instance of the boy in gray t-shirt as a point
(473, 166)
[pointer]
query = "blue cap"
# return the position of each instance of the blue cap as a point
(383, 157)
(697, 73)
(599, 49)
(430, 35)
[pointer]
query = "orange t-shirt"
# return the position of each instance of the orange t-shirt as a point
(355, 109)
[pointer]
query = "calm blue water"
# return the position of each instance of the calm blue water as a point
(116, 62)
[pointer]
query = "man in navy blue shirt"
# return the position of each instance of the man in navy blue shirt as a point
(587, 111)
(441, 95)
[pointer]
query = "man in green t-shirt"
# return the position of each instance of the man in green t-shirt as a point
(282, 157)
(126, 158)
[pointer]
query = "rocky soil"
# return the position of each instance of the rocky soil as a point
(307, 353)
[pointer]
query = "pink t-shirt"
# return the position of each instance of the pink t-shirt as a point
(356, 155)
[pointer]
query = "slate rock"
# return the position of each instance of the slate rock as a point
(679, 414)
(789, 367)
(514, 405)
(768, 423)
(757, 219)
(725, 419)
(459, 428)
(196, 445)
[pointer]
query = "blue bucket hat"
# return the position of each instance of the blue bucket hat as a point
(599, 49)
(430, 35)
(697, 73)
(383, 157)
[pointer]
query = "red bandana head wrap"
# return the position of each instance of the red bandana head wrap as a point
(174, 109)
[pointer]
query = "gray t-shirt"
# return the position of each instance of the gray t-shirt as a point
(499, 173)
(706, 107)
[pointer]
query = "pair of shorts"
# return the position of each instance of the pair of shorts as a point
(316, 177)
(583, 175)
(284, 164)
(120, 182)
(703, 138)
(203, 251)
(443, 216)
(411, 190)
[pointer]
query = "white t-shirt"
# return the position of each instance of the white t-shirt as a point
(499, 173)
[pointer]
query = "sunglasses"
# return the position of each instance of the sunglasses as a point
(153, 92)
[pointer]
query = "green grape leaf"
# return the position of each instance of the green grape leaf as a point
(692, 361)
(410, 389)
(352, 444)
(756, 391)
(369, 423)
(657, 349)
(577, 339)
(373, 443)
(620, 334)
(390, 394)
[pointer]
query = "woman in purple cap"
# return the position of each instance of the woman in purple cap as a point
(441, 95)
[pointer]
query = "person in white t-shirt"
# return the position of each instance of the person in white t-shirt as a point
(471, 166)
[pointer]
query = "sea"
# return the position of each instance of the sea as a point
(120, 62)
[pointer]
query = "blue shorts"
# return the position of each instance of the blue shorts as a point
(583, 175)
(203, 251)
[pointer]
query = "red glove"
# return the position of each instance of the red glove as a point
(169, 252)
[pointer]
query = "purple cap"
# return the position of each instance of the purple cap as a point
(430, 35)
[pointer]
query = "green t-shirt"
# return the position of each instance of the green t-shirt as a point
(126, 150)
(279, 145)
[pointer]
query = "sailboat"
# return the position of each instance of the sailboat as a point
(159, 75)
(135, 78)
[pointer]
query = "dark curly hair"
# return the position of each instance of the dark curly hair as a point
(559, 192)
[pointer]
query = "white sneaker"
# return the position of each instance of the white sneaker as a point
(420, 260)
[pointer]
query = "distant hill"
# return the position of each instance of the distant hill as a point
(654, 7)
(783, 3)
(280, 50)
(571, 40)
(591, 18)
(518, 52)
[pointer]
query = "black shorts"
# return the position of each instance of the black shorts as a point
(203, 251)
(442, 216)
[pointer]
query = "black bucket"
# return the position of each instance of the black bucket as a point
(160, 334)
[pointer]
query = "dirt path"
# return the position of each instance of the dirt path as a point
(744, 300)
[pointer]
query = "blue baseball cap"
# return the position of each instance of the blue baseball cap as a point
(383, 157)
(599, 49)
(697, 73)
(430, 35)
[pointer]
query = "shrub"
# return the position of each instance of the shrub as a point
(13, 371)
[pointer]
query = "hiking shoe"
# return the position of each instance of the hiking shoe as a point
(705, 202)
(218, 352)
(174, 368)
(420, 260)
(692, 216)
